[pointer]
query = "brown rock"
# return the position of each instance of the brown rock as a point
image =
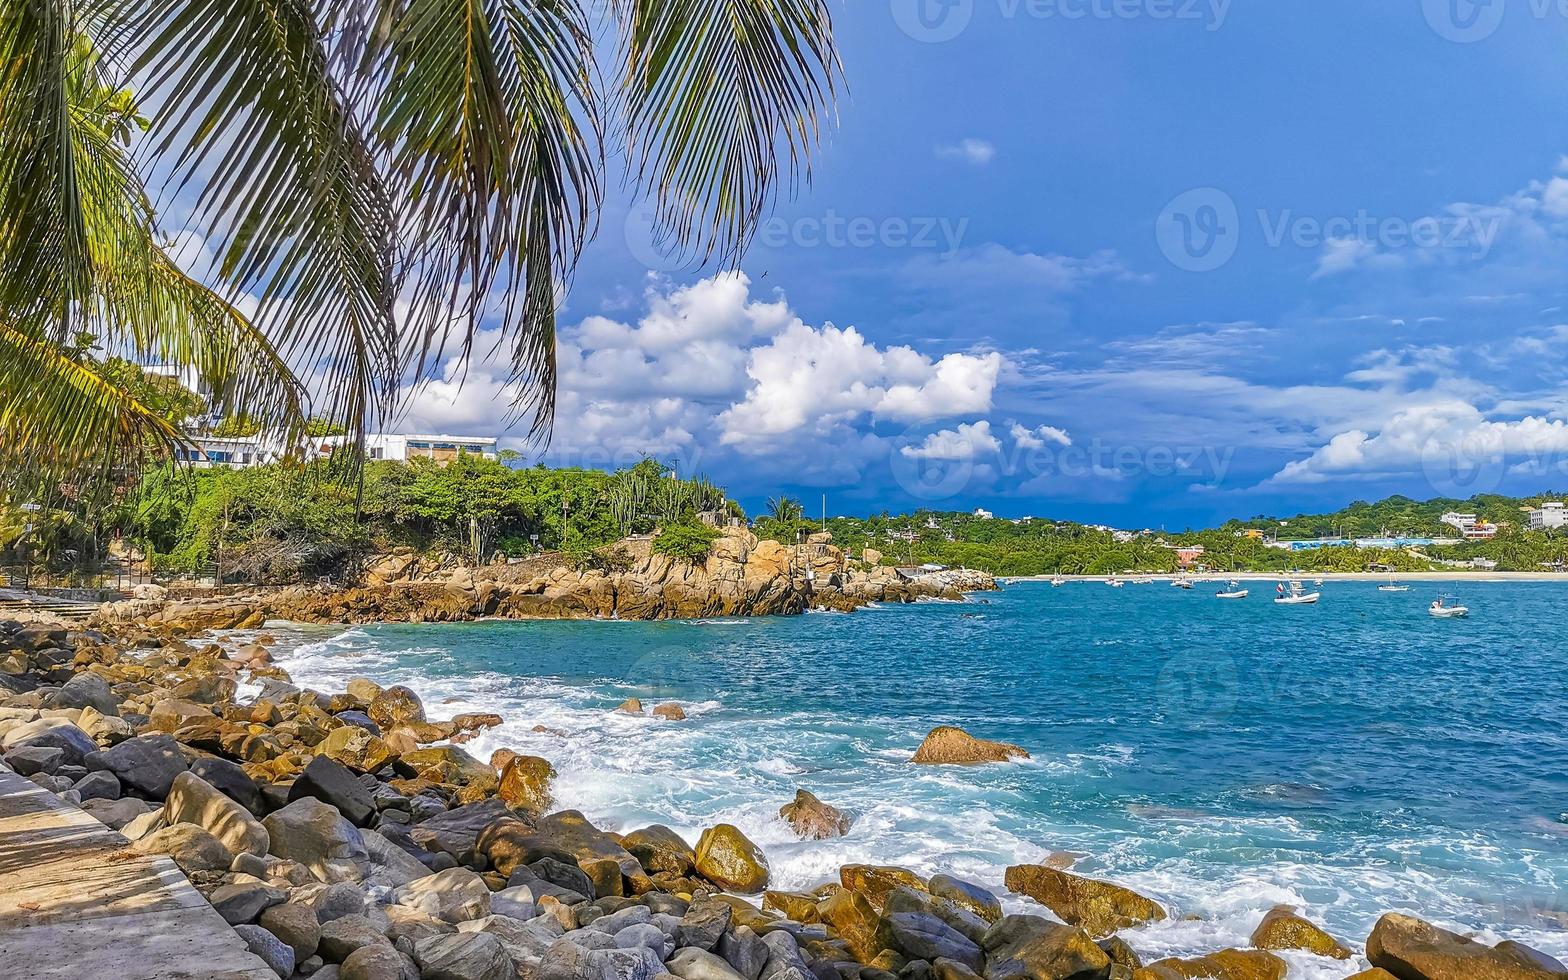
(525, 785)
(396, 706)
(1282, 928)
(798, 906)
(661, 850)
(875, 881)
(947, 745)
(1415, 950)
(813, 819)
(631, 706)
(355, 748)
(855, 921)
(728, 859)
(670, 712)
(1098, 906)
(1031, 947)
(1376, 973)
(1227, 964)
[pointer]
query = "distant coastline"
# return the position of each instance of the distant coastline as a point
(1406, 577)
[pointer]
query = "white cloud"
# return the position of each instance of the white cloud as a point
(967, 442)
(976, 152)
(1040, 436)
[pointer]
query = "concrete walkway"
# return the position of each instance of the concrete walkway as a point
(77, 904)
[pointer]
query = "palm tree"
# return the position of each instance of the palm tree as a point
(376, 180)
(785, 510)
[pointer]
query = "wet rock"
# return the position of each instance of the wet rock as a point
(331, 782)
(670, 712)
(296, 925)
(563, 875)
(947, 745)
(661, 850)
(455, 895)
(176, 713)
(1282, 928)
(192, 800)
(814, 820)
(269, 948)
(855, 920)
(525, 785)
(191, 848)
(87, 690)
(316, 835)
(1121, 954)
(1100, 907)
(976, 898)
(1415, 950)
(396, 706)
(798, 906)
(355, 748)
(631, 706)
(1227, 964)
(726, 857)
(1029, 947)
(463, 956)
(147, 763)
(875, 881)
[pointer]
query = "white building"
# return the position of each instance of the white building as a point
(1459, 522)
(442, 449)
(1549, 516)
(264, 448)
(983, 514)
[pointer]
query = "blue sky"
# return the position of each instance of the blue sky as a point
(1153, 262)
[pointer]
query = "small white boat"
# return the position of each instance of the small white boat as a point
(1233, 590)
(1295, 595)
(1392, 585)
(1441, 609)
(1057, 581)
(1115, 582)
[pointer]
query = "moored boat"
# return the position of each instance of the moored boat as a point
(1295, 595)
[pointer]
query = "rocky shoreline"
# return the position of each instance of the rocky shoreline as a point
(742, 576)
(348, 836)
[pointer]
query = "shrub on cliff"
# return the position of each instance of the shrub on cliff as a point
(686, 540)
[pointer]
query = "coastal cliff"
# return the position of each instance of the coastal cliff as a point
(742, 576)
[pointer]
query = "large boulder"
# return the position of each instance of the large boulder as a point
(147, 763)
(51, 733)
(975, 898)
(296, 925)
(525, 784)
(454, 895)
(331, 782)
(947, 745)
(230, 779)
(1282, 928)
(855, 921)
(193, 800)
(456, 832)
(396, 706)
(345, 935)
(661, 850)
(317, 836)
(1030, 947)
(1412, 949)
(87, 690)
(875, 881)
(923, 936)
(510, 844)
(192, 848)
(173, 714)
(463, 956)
(1227, 964)
(1098, 906)
(355, 748)
(814, 820)
(728, 859)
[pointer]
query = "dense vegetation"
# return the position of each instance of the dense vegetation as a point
(278, 523)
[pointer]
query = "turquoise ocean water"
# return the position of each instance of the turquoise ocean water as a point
(1350, 758)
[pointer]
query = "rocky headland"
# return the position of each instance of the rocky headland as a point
(349, 836)
(742, 576)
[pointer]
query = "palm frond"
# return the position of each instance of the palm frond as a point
(716, 92)
(289, 191)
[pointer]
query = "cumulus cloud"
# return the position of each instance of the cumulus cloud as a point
(976, 152)
(967, 442)
(1039, 437)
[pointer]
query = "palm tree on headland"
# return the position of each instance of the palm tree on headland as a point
(785, 510)
(375, 180)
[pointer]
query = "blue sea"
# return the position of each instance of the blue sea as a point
(1349, 758)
